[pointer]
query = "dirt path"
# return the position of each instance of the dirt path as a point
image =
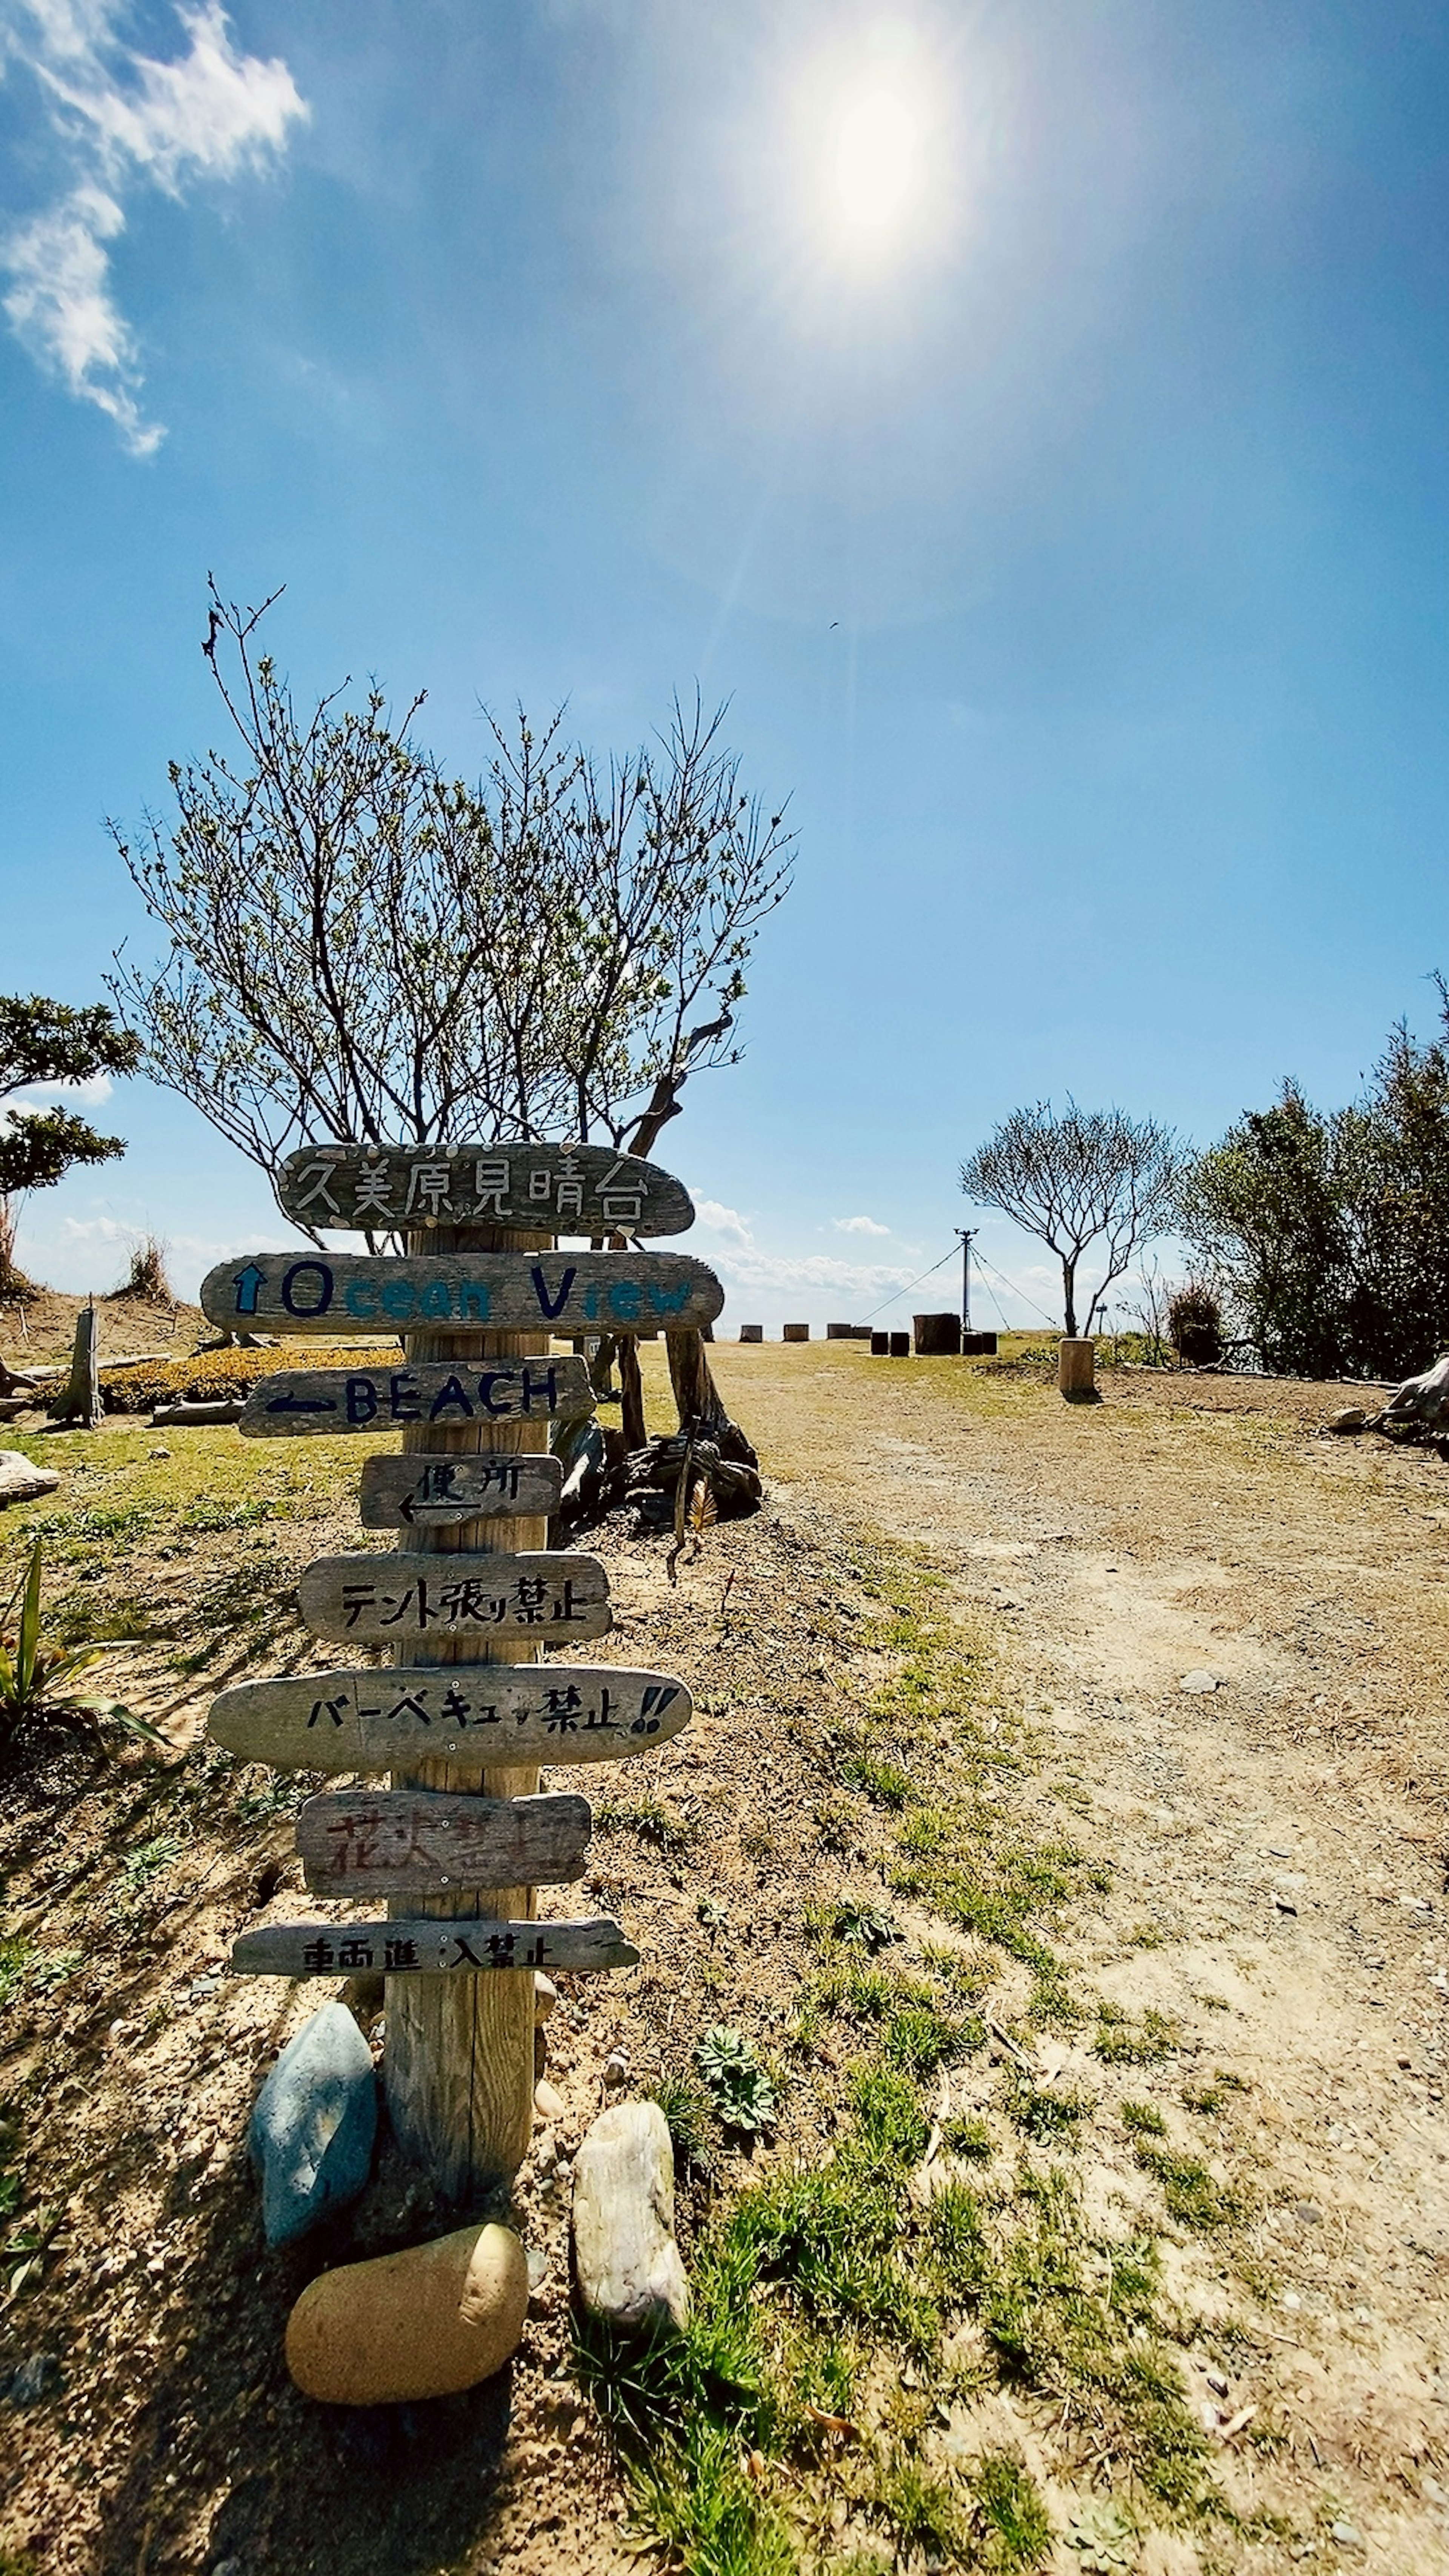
(1281, 1836)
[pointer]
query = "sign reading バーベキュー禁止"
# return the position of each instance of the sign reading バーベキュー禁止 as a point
(395, 1717)
(643, 1293)
(443, 1394)
(382, 1599)
(555, 1189)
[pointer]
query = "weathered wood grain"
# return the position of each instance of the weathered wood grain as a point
(418, 1842)
(491, 1713)
(556, 1189)
(347, 1293)
(430, 1946)
(438, 1395)
(540, 1598)
(438, 1493)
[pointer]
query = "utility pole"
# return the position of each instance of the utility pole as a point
(968, 1236)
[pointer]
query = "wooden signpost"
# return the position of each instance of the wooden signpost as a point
(375, 1720)
(379, 1600)
(550, 1189)
(442, 1396)
(437, 1493)
(346, 1294)
(466, 1715)
(375, 1842)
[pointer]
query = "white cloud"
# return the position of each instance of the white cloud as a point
(858, 1225)
(119, 116)
(766, 1270)
(95, 1088)
(717, 1219)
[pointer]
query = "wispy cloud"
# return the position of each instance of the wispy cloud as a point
(118, 119)
(741, 1263)
(858, 1225)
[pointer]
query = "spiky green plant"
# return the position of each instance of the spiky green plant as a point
(35, 1672)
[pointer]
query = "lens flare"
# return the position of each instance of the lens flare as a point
(871, 139)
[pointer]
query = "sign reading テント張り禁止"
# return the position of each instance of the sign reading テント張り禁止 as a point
(440, 1393)
(512, 1292)
(379, 1598)
(558, 1189)
(373, 1720)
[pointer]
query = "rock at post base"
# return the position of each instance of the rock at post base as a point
(314, 2124)
(428, 2322)
(21, 1481)
(628, 2263)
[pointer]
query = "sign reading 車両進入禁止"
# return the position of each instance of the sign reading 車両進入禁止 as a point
(511, 1292)
(368, 1842)
(381, 1720)
(556, 1189)
(440, 1393)
(544, 1599)
(430, 1948)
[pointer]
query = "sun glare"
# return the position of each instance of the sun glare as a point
(873, 158)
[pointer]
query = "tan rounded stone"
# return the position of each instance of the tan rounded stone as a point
(425, 2323)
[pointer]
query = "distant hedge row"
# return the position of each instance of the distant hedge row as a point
(209, 1377)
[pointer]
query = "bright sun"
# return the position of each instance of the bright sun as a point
(873, 162)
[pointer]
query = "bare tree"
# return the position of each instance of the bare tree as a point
(1084, 1177)
(361, 948)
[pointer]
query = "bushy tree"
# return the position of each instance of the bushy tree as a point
(43, 1043)
(1263, 1208)
(1076, 1178)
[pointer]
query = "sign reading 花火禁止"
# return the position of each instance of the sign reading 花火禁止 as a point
(556, 1189)
(418, 1492)
(381, 1599)
(509, 1292)
(393, 1718)
(429, 1948)
(367, 1842)
(443, 1394)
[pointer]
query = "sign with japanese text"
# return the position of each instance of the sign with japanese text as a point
(449, 1946)
(512, 1292)
(380, 1599)
(393, 1717)
(418, 1492)
(440, 1393)
(415, 1842)
(559, 1189)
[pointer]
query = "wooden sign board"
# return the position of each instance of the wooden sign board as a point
(420, 1843)
(418, 1492)
(559, 1189)
(380, 1598)
(441, 1393)
(511, 1292)
(441, 1947)
(391, 1718)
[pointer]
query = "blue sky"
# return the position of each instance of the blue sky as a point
(1031, 417)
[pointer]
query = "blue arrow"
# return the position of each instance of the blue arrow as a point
(246, 1284)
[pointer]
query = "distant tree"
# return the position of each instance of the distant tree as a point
(1079, 1178)
(1263, 1207)
(43, 1043)
(362, 949)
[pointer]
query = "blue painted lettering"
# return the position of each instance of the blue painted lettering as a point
(402, 1393)
(361, 1399)
(307, 1304)
(361, 1300)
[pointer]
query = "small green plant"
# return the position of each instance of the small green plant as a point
(1122, 2042)
(835, 1825)
(921, 2510)
(686, 2109)
(862, 1926)
(650, 1819)
(1143, 2120)
(35, 1672)
(1047, 2110)
(146, 1862)
(1210, 2099)
(26, 1970)
(1013, 2527)
(1194, 2198)
(742, 2091)
(969, 2139)
(883, 1782)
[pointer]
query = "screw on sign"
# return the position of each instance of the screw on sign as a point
(471, 1599)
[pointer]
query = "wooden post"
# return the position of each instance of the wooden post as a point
(1076, 1367)
(81, 1401)
(458, 2065)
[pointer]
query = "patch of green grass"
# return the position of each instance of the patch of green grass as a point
(26, 1969)
(689, 2113)
(1210, 2099)
(1143, 2120)
(835, 1825)
(1121, 2041)
(1194, 2198)
(921, 2038)
(855, 1923)
(1013, 2530)
(742, 2092)
(930, 1830)
(1047, 2110)
(922, 2511)
(647, 1818)
(883, 1782)
(969, 2139)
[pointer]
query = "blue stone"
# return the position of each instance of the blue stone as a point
(314, 2125)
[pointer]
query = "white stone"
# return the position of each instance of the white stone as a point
(21, 1481)
(627, 2260)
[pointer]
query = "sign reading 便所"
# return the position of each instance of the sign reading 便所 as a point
(419, 1492)
(511, 1292)
(558, 1189)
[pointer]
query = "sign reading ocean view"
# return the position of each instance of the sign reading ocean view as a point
(364, 1293)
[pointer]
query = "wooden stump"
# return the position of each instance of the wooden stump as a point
(937, 1336)
(880, 1344)
(795, 1333)
(1076, 1367)
(81, 1402)
(458, 2064)
(978, 1346)
(752, 1332)
(900, 1346)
